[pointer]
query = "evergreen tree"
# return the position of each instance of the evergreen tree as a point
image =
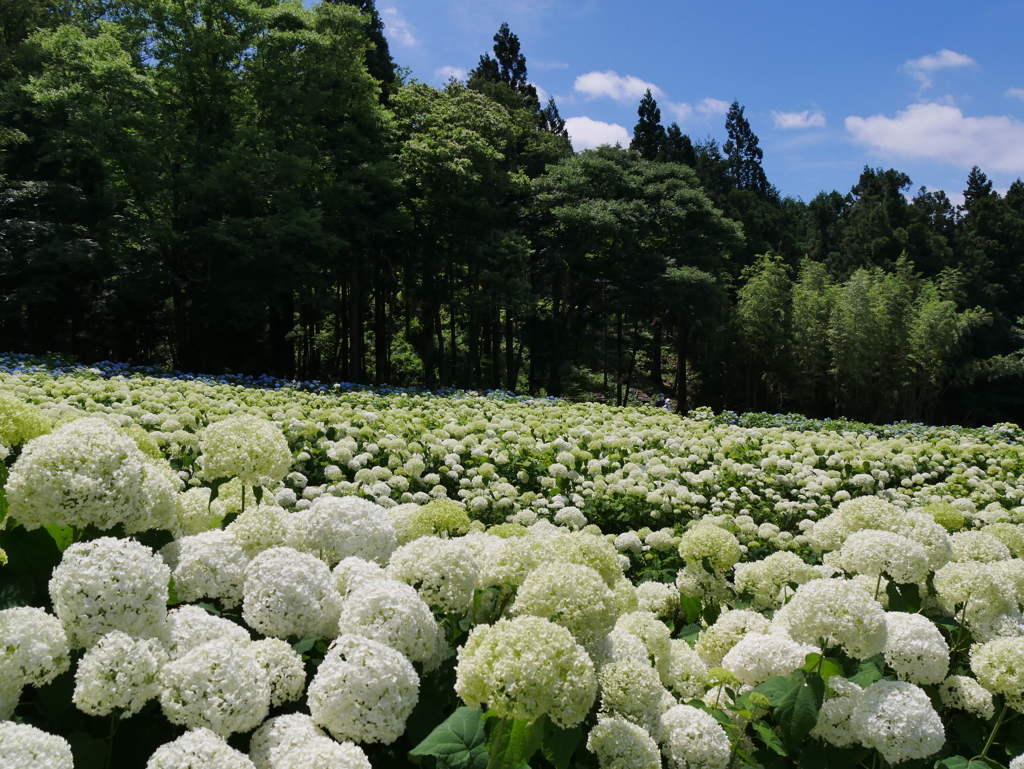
(677, 147)
(378, 58)
(742, 153)
(648, 134)
(507, 67)
(551, 121)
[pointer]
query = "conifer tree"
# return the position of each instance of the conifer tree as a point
(743, 155)
(648, 134)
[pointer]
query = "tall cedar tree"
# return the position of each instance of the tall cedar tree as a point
(648, 134)
(743, 155)
(378, 58)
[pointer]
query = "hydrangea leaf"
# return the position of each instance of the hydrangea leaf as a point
(514, 741)
(769, 737)
(906, 598)
(459, 742)
(797, 703)
(62, 535)
(824, 756)
(959, 762)
(870, 670)
(560, 744)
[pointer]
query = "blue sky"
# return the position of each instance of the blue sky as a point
(928, 87)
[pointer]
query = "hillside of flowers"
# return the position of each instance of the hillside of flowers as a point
(232, 572)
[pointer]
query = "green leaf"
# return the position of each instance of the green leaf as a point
(824, 756)
(257, 493)
(303, 646)
(215, 489)
(870, 670)
(457, 743)
(559, 744)
(797, 707)
(769, 737)
(513, 741)
(691, 607)
(829, 666)
(959, 762)
(905, 598)
(62, 535)
(88, 751)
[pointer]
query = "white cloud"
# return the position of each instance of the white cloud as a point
(446, 73)
(398, 29)
(922, 68)
(705, 108)
(587, 134)
(805, 119)
(1015, 93)
(941, 132)
(542, 95)
(614, 86)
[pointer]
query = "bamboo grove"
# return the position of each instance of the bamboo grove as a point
(255, 186)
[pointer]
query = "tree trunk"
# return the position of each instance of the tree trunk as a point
(682, 351)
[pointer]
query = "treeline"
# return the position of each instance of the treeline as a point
(255, 186)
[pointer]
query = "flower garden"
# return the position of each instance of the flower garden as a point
(224, 572)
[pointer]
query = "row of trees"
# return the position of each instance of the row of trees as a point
(253, 185)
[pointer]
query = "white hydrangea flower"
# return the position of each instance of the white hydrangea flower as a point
(324, 753)
(834, 724)
(965, 693)
(632, 690)
(658, 598)
(194, 513)
(191, 626)
(581, 547)
(1017, 763)
(552, 674)
(730, 627)
(288, 593)
(981, 589)
(443, 572)
(363, 691)
(872, 552)
(705, 541)
(280, 735)
(218, 685)
(260, 528)
(391, 613)
(619, 744)
(109, 584)
(246, 447)
(353, 571)
(628, 542)
(999, 666)
(835, 612)
(570, 517)
(897, 719)
(654, 634)
(207, 565)
(570, 595)
(686, 674)
(758, 657)
(915, 648)
(33, 648)
(284, 669)
(507, 561)
(1010, 534)
(86, 473)
(198, 749)
(26, 747)
(334, 528)
(10, 696)
(617, 646)
(692, 738)
(118, 674)
(978, 546)
(768, 580)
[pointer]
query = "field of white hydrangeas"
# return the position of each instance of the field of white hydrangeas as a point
(220, 573)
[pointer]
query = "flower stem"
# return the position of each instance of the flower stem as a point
(495, 757)
(991, 737)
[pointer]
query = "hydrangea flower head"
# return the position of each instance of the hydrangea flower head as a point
(619, 743)
(86, 473)
(290, 593)
(246, 447)
(999, 666)
(33, 648)
(110, 584)
(279, 735)
(570, 595)
(207, 565)
(692, 738)
(218, 685)
(198, 748)
(443, 571)
(834, 612)
(363, 691)
(26, 747)
(118, 674)
(524, 668)
(915, 648)
(338, 527)
(705, 541)
(898, 720)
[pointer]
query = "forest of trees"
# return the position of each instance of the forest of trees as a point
(255, 186)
